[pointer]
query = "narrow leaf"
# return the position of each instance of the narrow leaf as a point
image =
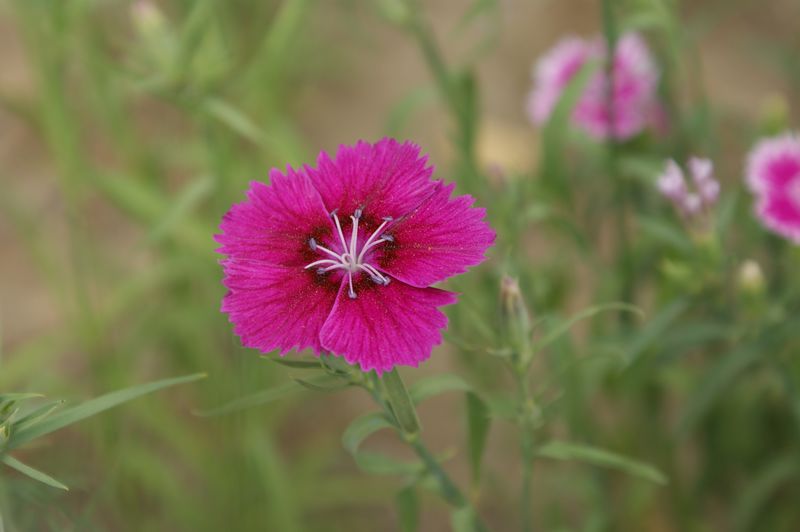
(35, 474)
(478, 421)
(559, 450)
(716, 380)
(259, 398)
(430, 386)
(93, 407)
(564, 327)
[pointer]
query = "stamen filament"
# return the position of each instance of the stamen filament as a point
(351, 259)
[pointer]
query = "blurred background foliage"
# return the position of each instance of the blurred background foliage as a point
(128, 128)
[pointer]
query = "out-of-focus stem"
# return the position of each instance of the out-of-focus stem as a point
(527, 445)
(455, 98)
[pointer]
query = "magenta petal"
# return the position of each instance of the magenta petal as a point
(386, 179)
(438, 239)
(275, 307)
(274, 223)
(386, 326)
(781, 214)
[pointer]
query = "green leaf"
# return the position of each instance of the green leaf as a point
(431, 386)
(658, 230)
(463, 520)
(655, 329)
(559, 450)
(260, 398)
(35, 474)
(760, 488)
(93, 407)
(408, 509)
(36, 415)
(478, 421)
(715, 381)
(401, 403)
(361, 428)
(377, 464)
(324, 384)
(295, 363)
(564, 327)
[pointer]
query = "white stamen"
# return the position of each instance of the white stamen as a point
(351, 259)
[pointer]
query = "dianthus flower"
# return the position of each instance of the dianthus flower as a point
(773, 174)
(704, 190)
(340, 258)
(633, 105)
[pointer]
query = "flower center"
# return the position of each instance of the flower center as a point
(352, 259)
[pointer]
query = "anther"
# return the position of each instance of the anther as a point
(358, 212)
(312, 244)
(388, 238)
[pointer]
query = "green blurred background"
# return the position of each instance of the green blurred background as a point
(126, 131)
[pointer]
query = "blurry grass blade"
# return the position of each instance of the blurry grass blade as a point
(564, 327)
(666, 233)
(93, 407)
(35, 474)
(478, 422)
(463, 520)
(655, 328)
(715, 381)
(259, 398)
(402, 111)
(760, 489)
(559, 450)
(149, 206)
(555, 131)
(408, 509)
(189, 198)
(235, 120)
(430, 386)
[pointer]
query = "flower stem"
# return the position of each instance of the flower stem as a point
(393, 397)
(527, 446)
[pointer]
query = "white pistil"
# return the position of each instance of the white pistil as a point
(351, 260)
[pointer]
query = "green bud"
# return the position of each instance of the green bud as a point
(750, 278)
(774, 115)
(516, 320)
(147, 18)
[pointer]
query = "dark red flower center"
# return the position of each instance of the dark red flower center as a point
(351, 256)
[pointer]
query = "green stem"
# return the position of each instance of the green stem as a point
(527, 446)
(456, 96)
(393, 396)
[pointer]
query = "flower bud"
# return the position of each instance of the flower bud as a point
(394, 11)
(750, 278)
(146, 17)
(516, 319)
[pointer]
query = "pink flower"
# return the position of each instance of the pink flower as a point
(773, 174)
(704, 190)
(634, 104)
(340, 257)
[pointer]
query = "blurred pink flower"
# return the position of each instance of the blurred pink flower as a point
(634, 104)
(341, 257)
(773, 174)
(689, 201)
